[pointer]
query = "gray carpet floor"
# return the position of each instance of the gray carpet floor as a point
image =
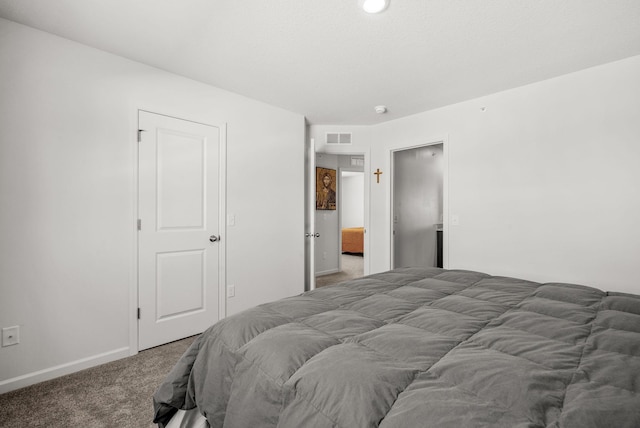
(352, 267)
(117, 394)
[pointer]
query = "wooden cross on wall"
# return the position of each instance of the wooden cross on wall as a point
(377, 174)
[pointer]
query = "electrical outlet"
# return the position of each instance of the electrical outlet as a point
(231, 291)
(10, 336)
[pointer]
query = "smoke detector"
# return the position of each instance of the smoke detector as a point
(380, 109)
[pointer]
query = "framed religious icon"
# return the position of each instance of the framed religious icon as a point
(325, 189)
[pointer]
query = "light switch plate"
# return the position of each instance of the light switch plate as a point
(231, 291)
(10, 336)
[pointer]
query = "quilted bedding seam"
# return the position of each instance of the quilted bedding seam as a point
(482, 300)
(618, 329)
(497, 404)
(577, 368)
(593, 382)
(554, 317)
(310, 403)
(511, 355)
(616, 352)
(531, 333)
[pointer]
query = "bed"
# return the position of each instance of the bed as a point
(418, 347)
(353, 240)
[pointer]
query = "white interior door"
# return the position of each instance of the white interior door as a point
(179, 228)
(310, 216)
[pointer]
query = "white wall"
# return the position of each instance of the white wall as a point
(544, 181)
(352, 198)
(68, 115)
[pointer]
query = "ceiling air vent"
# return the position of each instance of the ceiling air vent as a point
(338, 138)
(357, 161)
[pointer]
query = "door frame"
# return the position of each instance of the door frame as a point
(222, 223)
(352, 150)
(445, 198)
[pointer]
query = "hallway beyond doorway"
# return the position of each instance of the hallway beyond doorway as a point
(352, 267)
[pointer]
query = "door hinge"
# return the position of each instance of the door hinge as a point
(140, 131)
(138, 313)
(139, 224)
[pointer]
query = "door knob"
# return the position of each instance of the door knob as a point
(317, 235)
(214, 238)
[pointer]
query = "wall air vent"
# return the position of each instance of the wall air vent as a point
(338, 138)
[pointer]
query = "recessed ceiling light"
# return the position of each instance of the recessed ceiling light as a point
(373, 6)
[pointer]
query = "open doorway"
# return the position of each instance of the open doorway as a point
(340, 249)
(417, 206)
(352, 222)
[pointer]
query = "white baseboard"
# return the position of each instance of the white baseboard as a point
(61, 370)
(327, 272)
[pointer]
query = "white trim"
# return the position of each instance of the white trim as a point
(445, 203)
(445, 196)
(327, 272)
(222, 223)
(62, 370)
(133, 280)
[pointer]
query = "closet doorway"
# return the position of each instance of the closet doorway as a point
(417, 204)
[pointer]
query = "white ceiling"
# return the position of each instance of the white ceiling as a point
(333, 63)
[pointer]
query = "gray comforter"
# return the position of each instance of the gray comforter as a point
(416, 347)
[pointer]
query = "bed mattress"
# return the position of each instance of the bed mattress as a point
(418, 347)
